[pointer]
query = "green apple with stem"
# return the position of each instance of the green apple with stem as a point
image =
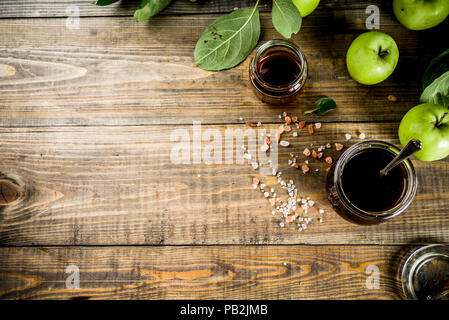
(372, 57)
(306, 7)
(428, 123)
(420, 14)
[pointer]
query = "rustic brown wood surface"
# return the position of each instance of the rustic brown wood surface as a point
(219, 272)
(86, 176)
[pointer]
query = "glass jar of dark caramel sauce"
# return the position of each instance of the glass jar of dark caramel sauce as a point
(360, 194)
(278, 71)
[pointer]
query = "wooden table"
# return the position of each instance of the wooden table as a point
(87, 181)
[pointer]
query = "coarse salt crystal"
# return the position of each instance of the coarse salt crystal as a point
(284, 143)
(347, 136)
(318, 125)
(362, 136)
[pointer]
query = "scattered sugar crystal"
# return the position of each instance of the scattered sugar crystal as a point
(284, 143)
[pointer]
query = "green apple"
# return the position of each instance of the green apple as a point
(372, 57)
(420, 14)
(428, 123)
(306, 7)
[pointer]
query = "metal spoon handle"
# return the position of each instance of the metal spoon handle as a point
(412, 147)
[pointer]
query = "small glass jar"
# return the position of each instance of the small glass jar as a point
(346, 208)
(425, 273)
(278, 93)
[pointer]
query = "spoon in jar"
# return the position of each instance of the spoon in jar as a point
(412, 147)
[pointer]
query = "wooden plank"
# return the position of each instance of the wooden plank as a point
(58, 8)
(212, 272)
(114, 71)
(118, 185)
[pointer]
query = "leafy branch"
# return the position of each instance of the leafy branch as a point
(231, 38)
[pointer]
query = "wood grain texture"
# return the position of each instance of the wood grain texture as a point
(114, 71)
(211, 272)
(118, 185)
(58, 8)
(86, 116)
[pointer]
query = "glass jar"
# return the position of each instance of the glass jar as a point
(425, 273)
(346, 208)
(276, 92)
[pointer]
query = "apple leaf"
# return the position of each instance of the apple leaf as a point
(149, 8)
(286, 17)
(228, 40)
(438, 91)
(105, 2)
(323, 105)
(436, 68)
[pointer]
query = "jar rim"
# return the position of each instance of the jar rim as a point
(406, 199)
(280, 43)
(416, 259)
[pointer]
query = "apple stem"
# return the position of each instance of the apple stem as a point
(440, 121)
(382, 53)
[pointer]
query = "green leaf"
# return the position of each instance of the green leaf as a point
(286, 17)
(228, 40)
(149, 8)
(323, 106)
(438, 91)
(105, 2)
(436, 68)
